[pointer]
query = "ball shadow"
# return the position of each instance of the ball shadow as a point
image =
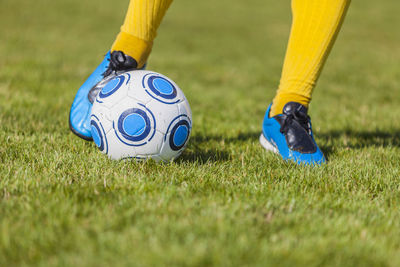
(198, 151)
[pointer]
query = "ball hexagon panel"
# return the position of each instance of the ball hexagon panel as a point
(184, 108)
(152, 147)
(102, 114)
(116, 150)
(164, 114)
(136, 89)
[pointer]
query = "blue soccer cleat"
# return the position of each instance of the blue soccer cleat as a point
(290, 135)
(79, 117)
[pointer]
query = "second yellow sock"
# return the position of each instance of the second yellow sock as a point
(315, 26)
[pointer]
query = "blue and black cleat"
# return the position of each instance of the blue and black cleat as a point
(113, 64)
(290, 135)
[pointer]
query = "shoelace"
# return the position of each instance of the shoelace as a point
(117, 59)
(301, 117)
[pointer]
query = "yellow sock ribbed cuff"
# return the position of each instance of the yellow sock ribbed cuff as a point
(132, 46)
(295, 91)
(282, 99)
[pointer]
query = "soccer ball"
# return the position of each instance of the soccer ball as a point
(142, 115)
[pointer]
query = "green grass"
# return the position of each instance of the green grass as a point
(225, 201)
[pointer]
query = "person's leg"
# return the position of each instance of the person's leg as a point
(140, 28)
(130, 50)
(315, 26)
(287, 127)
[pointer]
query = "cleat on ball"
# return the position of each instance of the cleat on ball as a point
(290, 135)
(79, 118)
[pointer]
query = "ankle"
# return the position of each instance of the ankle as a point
(282, 99)
(132, 46)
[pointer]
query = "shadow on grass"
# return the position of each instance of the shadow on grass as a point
(353, 139)
(199, 151)
(241, 137)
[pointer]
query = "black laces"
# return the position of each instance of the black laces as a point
(119, 61)
(302, 118)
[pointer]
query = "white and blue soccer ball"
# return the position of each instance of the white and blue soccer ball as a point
(142, 115)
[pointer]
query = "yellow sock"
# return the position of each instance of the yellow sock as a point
(140, 28)
(315, 26)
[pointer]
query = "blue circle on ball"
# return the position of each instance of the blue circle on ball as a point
(162, 87)
(96, 135)
(181, 134)
(112, 86)
(134, 124)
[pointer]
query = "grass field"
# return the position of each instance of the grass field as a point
(225, 201)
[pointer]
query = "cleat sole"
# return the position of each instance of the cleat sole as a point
(268, 145)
